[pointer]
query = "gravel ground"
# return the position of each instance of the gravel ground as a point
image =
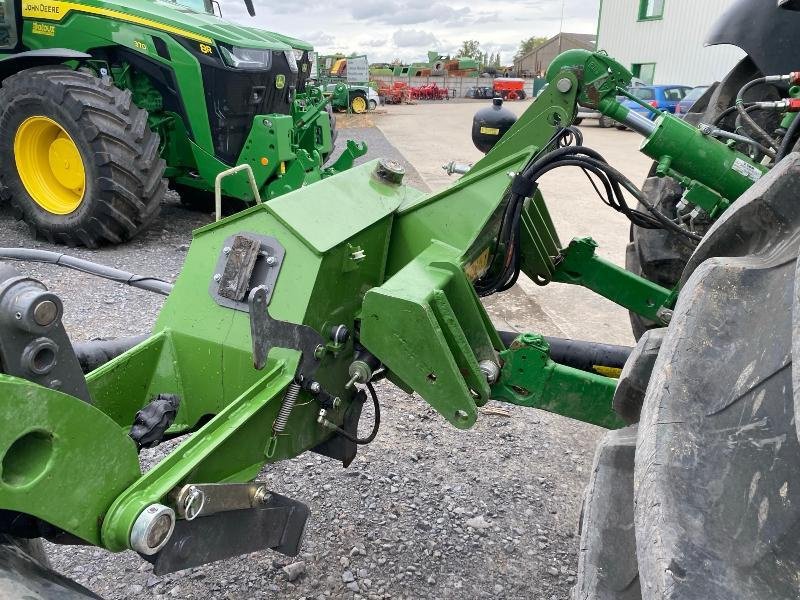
(426, 511)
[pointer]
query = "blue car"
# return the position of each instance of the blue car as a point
(663, 97)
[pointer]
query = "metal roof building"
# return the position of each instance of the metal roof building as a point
(535, 62)
(661, 41)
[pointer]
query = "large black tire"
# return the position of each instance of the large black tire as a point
(717, 476)
(124, 182)
(607, 567)
(25, 573)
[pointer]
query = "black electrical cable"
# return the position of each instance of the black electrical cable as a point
(788, 141)
(150, 284)
(376, 426)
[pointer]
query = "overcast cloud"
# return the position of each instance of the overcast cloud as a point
(407, 29)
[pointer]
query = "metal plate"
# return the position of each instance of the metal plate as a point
(278, 525)
(262, 273)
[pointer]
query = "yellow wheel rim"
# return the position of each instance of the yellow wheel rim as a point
(49, 165)
(359, 105)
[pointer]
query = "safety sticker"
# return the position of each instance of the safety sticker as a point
(745, 168)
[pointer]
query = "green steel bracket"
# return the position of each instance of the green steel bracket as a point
(234, 443)
(530, 378)
(580, 265)
(58, 452)
(345, 161)
(429, 328)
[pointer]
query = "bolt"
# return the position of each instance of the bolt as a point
(315, 387)
(262, 495)
(271, 260)
(390, 171)
(152, 529)
(337, 402)
(319, 351)
(563, 85)
(217, 277)
(45, 313)
(226, 250)
(490, 370)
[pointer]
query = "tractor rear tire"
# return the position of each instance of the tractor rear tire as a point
(717, 480)
(81, 165)
(26, 573)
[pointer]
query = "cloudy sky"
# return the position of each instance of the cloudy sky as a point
(407, 29)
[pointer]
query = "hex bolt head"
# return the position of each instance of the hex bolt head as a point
(45, 313)
(563, 85)
(152, 529)
(262, 496)
(226, 250)
(217, 277)
(271, 260)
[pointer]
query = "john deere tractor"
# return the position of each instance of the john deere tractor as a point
(103, 102)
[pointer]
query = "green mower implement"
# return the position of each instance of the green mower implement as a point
(285, 315)
(103, 104)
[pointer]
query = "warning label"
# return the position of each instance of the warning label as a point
(745, 168)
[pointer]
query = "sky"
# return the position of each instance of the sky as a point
(385, 30)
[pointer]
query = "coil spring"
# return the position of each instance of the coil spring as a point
(289, 398)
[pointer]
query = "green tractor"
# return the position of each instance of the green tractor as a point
(103, 103)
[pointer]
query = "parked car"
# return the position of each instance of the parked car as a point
(663, 97)
(373, 98)
(685, 105)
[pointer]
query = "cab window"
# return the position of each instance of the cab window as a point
(8, 24)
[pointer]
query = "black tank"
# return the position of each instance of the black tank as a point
(490, 123)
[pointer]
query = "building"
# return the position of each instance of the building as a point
(661, 41)
(535, 62)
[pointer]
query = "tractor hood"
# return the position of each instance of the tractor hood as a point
(203, 24)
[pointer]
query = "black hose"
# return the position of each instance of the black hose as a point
(375, 427)
(150, 284)
(755, 127)
(787, 143)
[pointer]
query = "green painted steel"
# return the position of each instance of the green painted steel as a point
(580, 265)
(530, 378)
(394, 265)
(139, 42)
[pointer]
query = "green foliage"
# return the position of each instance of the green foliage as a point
(526, 46)
(471, 49)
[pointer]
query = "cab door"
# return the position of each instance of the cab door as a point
(9, 16)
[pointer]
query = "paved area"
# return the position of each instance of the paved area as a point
(430, 135)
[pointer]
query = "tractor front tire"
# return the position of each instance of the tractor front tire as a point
(81, 165)
(358, 102)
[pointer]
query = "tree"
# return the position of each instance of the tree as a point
(471, 49)
(526, 46)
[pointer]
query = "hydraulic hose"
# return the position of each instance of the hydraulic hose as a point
(755, 127)
(788, 139)
(142, 282)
